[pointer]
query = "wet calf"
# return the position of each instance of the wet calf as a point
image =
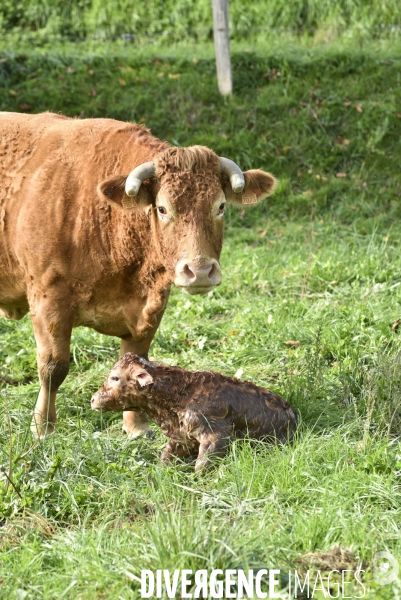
(200, 411)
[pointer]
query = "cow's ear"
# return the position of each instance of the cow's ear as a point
(143, 377)
(112, 190)
(258, 185)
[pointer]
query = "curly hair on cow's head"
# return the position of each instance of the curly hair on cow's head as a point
(187, 159)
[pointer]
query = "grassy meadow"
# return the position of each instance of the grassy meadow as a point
(161, 20)
(310, 305)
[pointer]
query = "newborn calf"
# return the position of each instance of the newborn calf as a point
(199, 411)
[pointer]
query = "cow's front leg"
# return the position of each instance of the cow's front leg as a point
(52, 325)
(136, 423)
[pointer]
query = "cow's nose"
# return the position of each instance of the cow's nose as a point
(197, 278)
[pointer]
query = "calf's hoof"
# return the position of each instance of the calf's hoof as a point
(202, 465)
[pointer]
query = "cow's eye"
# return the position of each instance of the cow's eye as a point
(115, 379)
(221, 208)
(162, 210)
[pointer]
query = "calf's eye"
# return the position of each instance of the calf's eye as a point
(115, 379)
(162, 210)
(221, 208)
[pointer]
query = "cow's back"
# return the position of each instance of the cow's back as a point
(51, 221)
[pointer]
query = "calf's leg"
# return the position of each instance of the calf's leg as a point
(175, 450)
(52, 325)
(209, 449)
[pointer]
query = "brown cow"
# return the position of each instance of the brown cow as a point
(200, 411)
(98, 219)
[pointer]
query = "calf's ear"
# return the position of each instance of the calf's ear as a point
(258, 185)
(143, 377)
(112, 190)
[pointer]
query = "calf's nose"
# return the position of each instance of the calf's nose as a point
(94, 400)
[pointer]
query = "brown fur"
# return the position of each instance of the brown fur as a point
(200, 411)
(72, 253)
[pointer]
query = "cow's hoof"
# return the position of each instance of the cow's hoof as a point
(138, 432)
(40, 431)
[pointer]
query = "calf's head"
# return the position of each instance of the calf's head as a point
(185, 191)
(125, 386)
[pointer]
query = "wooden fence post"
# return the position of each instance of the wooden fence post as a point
(222, 47)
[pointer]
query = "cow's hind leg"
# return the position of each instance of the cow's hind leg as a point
(52, 326)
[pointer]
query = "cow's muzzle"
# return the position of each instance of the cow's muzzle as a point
(197, 277)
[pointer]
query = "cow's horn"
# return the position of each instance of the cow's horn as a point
(137, 176)
(229, 168)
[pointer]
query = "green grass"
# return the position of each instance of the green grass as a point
(173, 19)
(319, 264)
